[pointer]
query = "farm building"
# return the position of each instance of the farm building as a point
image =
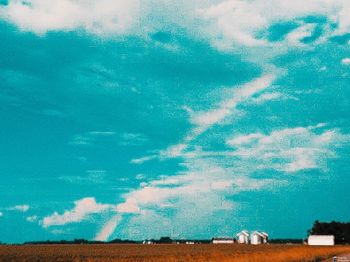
(321, 240)
(266, 237)
(257, 238)
(148, 242)
(223, 240)
(243, 237)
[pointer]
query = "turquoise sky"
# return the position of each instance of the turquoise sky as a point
(190, 119)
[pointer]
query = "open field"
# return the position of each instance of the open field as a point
(200, 252)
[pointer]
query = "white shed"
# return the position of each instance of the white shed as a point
(223, 240)
(321, 240)
(243, 237)
(257, 238)
(265, 237)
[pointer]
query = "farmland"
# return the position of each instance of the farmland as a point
(165, 252)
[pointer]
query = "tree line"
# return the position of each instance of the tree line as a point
(341, 231)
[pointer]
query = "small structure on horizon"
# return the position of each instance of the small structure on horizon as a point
(223, 240)
(321, 240)
(148, 242)
(257, 238)
(243, 237)
(265, 238)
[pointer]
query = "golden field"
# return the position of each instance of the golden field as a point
(163, 252)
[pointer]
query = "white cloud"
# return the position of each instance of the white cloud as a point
(32, 219)
(273, 96)
(90, 138)
(101, 133)
(140, 176)
(224, 23)
(202, 187)
(81, 211)
(20, 208)
(143, 159)
(345, 61)
(290, 149)
(1, 214)
(97, 17)
(234, 22)
(267, 97)
(92, 176)
(132, 139)
(210, 176)
(205, 119)
(244, 139)
(295, 37)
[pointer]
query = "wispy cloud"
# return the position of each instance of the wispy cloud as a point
(143, 159)
(132, 139)
(97, 17)
(32, 219)
(122, 139)
(204, 120)
(80, 140)
(346, 61)
(203, 186)
(272, 96)
(240, 22)
(225, 23)
(91, 176)
(211, 176)
(101, 133)
(289, 149)
(20, 208)
(90, 138)
(296, 36)
(108, 228)
(82, 209)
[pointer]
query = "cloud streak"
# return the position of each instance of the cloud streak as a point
(20, 208)
(204, 120)
(108, 228)
(82, 209)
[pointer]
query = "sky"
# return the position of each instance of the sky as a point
(189, 119)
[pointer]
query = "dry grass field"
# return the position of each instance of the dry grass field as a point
(200, 252)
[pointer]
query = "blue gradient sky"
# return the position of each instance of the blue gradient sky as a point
(188, 119)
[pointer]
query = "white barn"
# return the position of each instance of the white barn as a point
(223, 240)
(265, 237)
(257, 238)
(321, 240)
(243, 237)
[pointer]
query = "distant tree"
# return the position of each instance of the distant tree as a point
(80, 241)
(286, 241)
(121, 241)
(165, 240)
(341, 231)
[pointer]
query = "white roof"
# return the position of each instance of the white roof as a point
(322, 236)
(258, 233)
(243, 232)
(222, 238)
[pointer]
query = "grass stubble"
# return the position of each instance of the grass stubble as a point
(171, 253)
